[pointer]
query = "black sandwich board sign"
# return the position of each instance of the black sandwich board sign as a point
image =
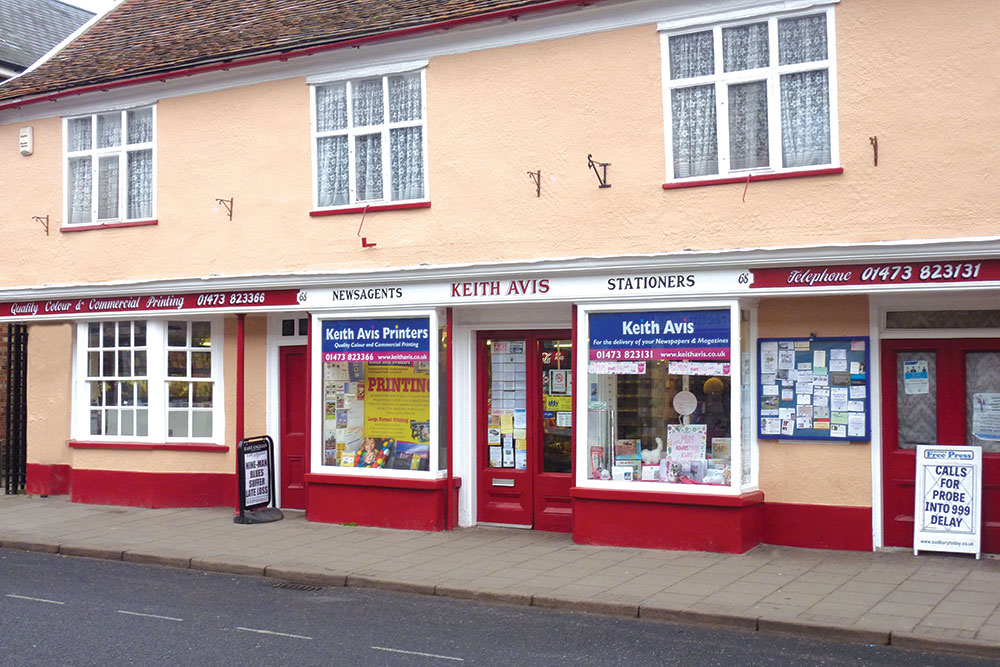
(255, 469)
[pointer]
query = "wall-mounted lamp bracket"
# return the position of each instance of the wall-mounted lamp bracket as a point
(44, 220)
(874, 142)
(364, 240)
(228, 203)
(602, 176)
(536, 176)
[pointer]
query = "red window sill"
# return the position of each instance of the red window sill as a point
(149, 446)
(108, 225)
(362, 209)
(752, 178)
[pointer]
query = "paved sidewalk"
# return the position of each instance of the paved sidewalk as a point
(934, 601)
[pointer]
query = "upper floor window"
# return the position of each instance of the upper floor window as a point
(109, 166)
(751, 96)
(369, 140)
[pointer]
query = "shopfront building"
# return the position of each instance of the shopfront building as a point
(704, 409)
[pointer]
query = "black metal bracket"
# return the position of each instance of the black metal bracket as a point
(602, 176)
(874, 142)
(536, 176)
(44, 220)
(228, 203)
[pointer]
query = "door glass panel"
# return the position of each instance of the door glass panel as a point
(557, 405)
(916, 402)
(507, 404)
(982, 400)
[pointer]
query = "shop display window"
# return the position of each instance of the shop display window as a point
(376, 394)
(661, 399)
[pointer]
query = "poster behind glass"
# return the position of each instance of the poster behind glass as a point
(376, 393)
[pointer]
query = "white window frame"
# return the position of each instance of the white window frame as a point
(737, 395)
(95, 154)
(352, 132)
(157, 379)
(772, 74)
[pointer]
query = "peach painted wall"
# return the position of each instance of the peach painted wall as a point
(50, 379)
(913, 78)
(817, 473)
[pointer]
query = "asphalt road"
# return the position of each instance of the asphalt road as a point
(58, 610)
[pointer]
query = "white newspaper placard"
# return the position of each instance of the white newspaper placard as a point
(256, 478)
(947, 513)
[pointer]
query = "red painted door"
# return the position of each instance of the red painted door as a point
(928, 390)
(294, 425)
(525, 428)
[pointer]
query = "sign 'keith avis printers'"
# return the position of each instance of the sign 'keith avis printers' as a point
(384, 339)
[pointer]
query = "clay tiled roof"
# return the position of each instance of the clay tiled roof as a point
(145, 37)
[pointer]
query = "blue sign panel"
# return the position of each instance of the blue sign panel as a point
(657, 335)
(384, 339)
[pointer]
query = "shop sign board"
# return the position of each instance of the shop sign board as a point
(875, 275)
(513, 289)
(386, 339)
(659, 335)
(948, 507)
(147, 303)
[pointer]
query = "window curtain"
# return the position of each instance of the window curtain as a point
(748, 137)
(695, 138)
(366, 103)
(139, 194)
(368, 166)
(692, 55)
(745, 47)
(332, 170)
(805, 119)
(80, 134)
(109, 130)
(406, 151)
(107, 188)
(404, 98)
(331, 108)
(802, 39)
(80, 189)
(140, 126)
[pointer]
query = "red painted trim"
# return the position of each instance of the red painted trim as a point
(668, 498)
(240, 373)
(753, 178)
(449, 344)
(309, 383)
(151, 446)
(295, 53)
(361, 209)
(383, 482)
(668, 525)
(153, 489)
(388, 506)
(48, 480)
(109, 225)
(818, 526)
(576, 398)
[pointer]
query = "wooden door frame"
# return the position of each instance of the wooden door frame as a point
(950, 351)
(533, 399)
(282, 387)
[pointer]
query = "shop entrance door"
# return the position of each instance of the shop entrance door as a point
(525, 428)
(929, 388)
(294, 424)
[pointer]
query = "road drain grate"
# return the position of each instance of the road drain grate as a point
(288, 585)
